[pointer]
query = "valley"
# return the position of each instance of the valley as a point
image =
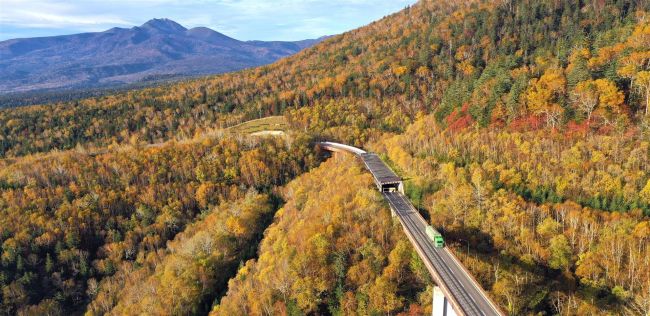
(519, 128)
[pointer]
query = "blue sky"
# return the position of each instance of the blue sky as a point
(241, 19)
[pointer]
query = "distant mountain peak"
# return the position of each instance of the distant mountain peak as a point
(158, 49)
(164, 25)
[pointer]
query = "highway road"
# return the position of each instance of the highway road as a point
(471, 299)
(457, 284)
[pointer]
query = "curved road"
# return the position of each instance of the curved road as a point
(459, 287)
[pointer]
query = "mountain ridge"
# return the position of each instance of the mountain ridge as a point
(159, 47)
(544, 197)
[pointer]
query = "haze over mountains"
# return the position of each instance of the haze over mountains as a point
(160, 48)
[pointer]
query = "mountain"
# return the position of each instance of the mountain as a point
(160, 48)
(521, 125)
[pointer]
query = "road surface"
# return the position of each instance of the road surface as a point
(468, 296)
(457, 284)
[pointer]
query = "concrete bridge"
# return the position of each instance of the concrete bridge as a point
(456, 291)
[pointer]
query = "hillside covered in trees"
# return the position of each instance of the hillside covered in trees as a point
(525, 64)
(554, 224)
(523, 127)
(332, 250)
(79, 227)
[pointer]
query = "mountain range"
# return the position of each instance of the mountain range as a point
(159, 49)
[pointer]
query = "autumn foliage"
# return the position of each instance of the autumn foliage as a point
(522, 126)
(332, 249)
(77, 227)
(554, 224)
(508, 59)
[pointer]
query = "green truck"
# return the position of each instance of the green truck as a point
(436, 237)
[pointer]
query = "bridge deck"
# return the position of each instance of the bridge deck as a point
(447, 271)
(379, 170)
(458, 285)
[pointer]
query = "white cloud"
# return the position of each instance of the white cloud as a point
(243, 19)
(52, 14)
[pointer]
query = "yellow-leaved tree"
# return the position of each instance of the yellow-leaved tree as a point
(598, 96)
(543, 95)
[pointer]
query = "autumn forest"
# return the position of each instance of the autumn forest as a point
(522, 128)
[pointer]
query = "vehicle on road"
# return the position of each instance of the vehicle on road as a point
(436, 237)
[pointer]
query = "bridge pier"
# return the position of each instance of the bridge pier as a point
(441, 306)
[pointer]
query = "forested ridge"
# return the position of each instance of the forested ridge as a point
(522, 126)
(332, 250)
(196, 266)
(518, 63)
(78, 227)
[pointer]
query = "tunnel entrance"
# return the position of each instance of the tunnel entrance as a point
(391, 187)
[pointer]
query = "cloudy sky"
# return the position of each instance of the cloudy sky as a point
(242, 19)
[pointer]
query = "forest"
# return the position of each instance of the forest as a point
(552, 224)
(331, 250)
(435, 57)
(78, 227)
(522, 126)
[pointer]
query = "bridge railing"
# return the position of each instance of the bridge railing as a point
(337, 147)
